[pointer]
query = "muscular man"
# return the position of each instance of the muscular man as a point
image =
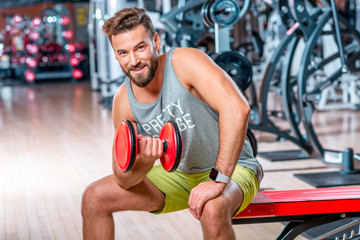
(187, 87)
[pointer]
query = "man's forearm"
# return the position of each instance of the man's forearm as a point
(232, 137)
(131, 178)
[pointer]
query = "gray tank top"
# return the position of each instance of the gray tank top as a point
(197, 121)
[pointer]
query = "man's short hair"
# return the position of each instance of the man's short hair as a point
(126, 20)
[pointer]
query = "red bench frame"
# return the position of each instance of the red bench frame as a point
(303, 209)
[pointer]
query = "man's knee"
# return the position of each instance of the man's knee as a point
(215, 214)
(216, 208)
(216, 220)
(93, 200)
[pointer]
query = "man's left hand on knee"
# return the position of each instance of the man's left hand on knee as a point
(202, 193)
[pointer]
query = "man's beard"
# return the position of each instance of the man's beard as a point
(142, 79)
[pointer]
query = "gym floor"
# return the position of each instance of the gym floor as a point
(55, 139)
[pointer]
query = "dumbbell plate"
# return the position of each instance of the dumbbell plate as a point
(237, 66)
(205, 14)
(126, 146)
(170, 159)
(224, 12)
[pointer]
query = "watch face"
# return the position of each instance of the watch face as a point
(213, 173)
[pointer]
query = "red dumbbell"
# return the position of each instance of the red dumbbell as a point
(126, 146)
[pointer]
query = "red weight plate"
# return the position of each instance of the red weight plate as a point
(125, 146)
(171, 158)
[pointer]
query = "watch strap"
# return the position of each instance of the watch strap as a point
(222, 178)
(218, 177)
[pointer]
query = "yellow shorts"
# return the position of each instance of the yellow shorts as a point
(177, 186)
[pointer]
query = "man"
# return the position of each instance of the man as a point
(185, 86)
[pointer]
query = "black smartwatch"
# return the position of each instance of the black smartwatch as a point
(218, 177)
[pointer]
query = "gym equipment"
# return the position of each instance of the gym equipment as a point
(250, 135)
(171, 19)
(317, 73)
(304, 26)
(312, 79)
(65, 20)
(34, 35)
(340, 95)
(183, 25)
(225, 13)
(186, 36)
(29, 75)
(42, 40)
(32, 48)
(205, 14)
(255, 46)
(261, 117)
(300, 92)
(347, 176)
(126, 146)
(77, 73)
(105, 73)
(17, 19)
(70, 47)
(303, 209)
(237, 66)
(74, 61)
(67, 34)
(31, 62)
(36, 22)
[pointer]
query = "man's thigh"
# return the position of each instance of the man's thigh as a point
(142, 197)
(176, 187)
(247, 182)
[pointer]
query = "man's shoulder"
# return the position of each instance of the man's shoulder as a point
(189, 58)
(120, 94)
(187, 54)
(121, 105)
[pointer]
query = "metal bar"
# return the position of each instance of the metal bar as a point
(216, 32)
(344, 68)
(339, 229)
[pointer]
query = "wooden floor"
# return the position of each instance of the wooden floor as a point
(55, 139)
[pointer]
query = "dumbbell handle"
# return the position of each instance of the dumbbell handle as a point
(165, 146)
(164, 143)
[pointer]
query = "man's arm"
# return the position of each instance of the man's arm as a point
(150, 149)
(205, 80)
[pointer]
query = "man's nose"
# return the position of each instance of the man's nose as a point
(134, 59)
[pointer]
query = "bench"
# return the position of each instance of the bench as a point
(303, 209)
